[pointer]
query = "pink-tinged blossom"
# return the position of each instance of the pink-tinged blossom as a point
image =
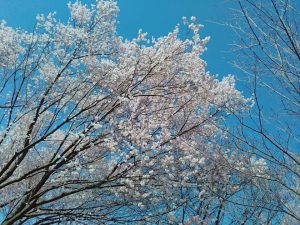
(96, 121)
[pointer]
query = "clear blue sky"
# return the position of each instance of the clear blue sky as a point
(157, 17)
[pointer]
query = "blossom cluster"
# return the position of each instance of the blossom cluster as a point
(93, 120)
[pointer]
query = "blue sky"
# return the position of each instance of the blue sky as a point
(157, 17)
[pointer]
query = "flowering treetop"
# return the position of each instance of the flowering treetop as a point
(97, 128)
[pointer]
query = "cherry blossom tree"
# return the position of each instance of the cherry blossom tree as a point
(101, 130)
